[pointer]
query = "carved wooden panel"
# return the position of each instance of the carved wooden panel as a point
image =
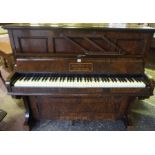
(33, 44)
(46, 107)
(63, 45)
(134, 45)
(86, 45)
(88, 42)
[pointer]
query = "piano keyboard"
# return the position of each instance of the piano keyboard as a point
(78, 81)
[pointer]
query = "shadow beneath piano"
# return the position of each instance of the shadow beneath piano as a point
(79, 126)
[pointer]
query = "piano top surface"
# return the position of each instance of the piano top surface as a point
(105, 26)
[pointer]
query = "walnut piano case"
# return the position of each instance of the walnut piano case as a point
(79, 53)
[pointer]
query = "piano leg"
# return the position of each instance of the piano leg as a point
(29, 121)
(127, 123)
(123, 114)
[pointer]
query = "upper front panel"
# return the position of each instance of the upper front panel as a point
(79, 41)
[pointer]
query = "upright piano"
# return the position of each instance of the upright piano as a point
(85, 71)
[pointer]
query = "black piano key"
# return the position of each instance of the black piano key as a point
(20, 78)
(139, 79)
(61, 78)
(29, 77)
(50, 77)
(68, 78)
(26, 77)
(107, 79)
(56, 78)
(120, 79)
(72, 78)
(15, 78)
(43, 78)
(85, 78)
(130, 80)
(46, 77)
(35, 77)
(78, 79)
(115, 79)
(123, 79)
(136, 79)
(112, 80)
(97, 79)
(38, 78)
(102, 79)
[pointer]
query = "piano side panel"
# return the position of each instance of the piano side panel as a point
(87, 65)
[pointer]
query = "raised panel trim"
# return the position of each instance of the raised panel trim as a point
(44, 38)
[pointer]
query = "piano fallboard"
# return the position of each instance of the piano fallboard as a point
(84, 64)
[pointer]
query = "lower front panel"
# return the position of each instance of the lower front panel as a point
(78, 108)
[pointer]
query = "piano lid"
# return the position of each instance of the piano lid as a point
(108, 26)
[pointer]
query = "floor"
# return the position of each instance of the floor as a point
(141, 113)
(14, 108)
